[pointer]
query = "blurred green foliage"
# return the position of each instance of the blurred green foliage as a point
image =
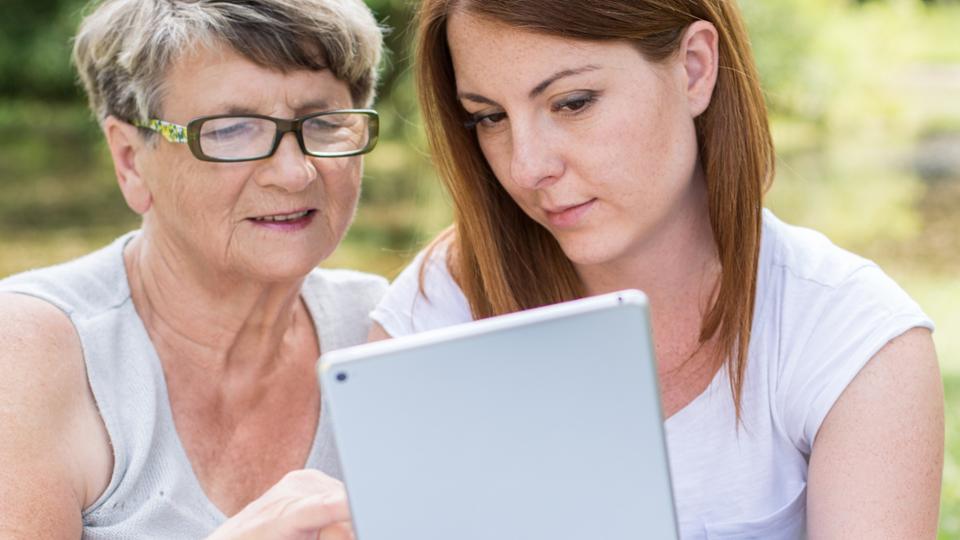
(35, 49)
(864, 109)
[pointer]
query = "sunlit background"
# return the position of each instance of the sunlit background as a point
(865, 105)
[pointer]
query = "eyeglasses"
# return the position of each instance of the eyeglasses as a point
(246, 137)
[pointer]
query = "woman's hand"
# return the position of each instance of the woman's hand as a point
(305, 504)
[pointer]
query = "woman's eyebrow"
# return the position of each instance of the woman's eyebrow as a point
(476, 98)
(314, 105)
(302, 108)
(537, 90)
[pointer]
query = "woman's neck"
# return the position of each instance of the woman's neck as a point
(678, 269)
(675, 263)
(223, 322)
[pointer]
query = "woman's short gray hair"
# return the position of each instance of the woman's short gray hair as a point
(124, 48)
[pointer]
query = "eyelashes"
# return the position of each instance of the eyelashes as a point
(570, 105)
(575, 102)
(484, 120)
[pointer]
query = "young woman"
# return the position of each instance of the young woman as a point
(625, 144)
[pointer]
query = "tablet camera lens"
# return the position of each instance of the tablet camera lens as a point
(342, 376)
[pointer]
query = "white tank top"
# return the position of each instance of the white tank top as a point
(153, 492)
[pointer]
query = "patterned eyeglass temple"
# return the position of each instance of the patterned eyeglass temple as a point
(174, 133)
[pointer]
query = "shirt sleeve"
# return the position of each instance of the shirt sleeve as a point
(408, 308)
(834, 332)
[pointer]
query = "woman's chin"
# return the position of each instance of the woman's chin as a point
(584, 252)
(281, 268)
(285, 258)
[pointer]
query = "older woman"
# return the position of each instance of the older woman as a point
(624, 144)
(159, 385)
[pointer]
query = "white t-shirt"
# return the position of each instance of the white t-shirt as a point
(821, 313)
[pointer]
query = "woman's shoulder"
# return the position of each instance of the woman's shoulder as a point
(340, 302)
(345, 281)
(80, 287)
(424, 296)
(822, 314)
(807, 269)
(818, 299)
(805, 254)
(351, 289)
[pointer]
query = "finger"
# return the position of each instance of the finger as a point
(306, 481)
(315, 512)
(337, 531)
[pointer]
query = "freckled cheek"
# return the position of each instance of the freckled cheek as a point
(637, 149)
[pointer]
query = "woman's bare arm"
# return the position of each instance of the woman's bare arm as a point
(377, 333)
(54, 448)
(877, 461)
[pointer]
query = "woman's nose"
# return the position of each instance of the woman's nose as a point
(535, 161)
(288, 168)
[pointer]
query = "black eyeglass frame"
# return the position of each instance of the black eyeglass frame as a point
(283, 126)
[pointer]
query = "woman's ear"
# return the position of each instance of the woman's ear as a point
(700, 58)
(126, 148)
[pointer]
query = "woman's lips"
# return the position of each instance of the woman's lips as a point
(568, 216)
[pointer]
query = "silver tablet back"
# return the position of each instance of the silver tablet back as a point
(544, 424)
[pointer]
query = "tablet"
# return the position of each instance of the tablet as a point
(539, 425)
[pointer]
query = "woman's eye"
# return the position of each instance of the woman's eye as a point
(485, 120)
(575, 103)
(492, 119)
(232, 131)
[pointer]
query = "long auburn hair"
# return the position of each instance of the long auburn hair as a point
(494, 244)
